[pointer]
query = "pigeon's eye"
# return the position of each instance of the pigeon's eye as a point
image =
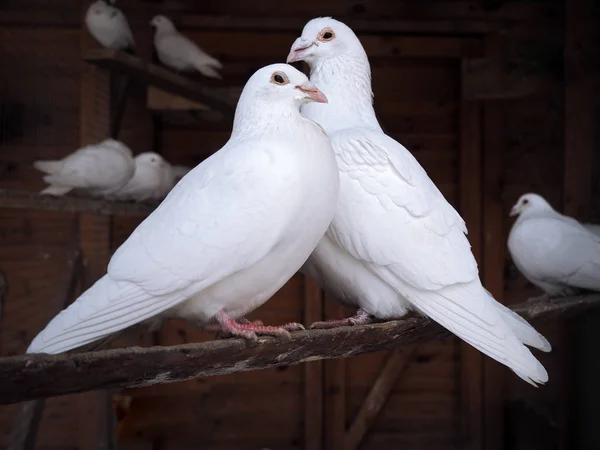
(153, 160)
(525, 201)
(326, 35)
(279, 78)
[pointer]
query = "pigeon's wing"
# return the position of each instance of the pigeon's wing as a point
(401, 227)
(571, 256)
(178, 46)
(223, 218)
(125, 36)
(401, 213)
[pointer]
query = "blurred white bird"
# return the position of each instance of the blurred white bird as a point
(178, 52)
(98, 170)
(229, 235)
(109, 26)
(555, 252)
(594, 228)
(395, 243)
(148, 179)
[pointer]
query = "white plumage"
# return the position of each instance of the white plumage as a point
(178, 52)
(109, 26)
(98, 170)
(147, 182)
(231, 232)
(395, 244)
(555, 252)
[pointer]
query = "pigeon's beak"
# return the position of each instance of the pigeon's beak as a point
(311, 92)
(514, 211)
(298, 50)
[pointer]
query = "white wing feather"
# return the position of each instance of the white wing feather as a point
(410, 236)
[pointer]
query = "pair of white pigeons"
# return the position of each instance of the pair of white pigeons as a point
(109, 26)
(109, 170)
(308, 180)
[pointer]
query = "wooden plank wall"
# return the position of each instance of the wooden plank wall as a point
(417, 86)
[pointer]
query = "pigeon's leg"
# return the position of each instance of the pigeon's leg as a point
(215, 327)
(361, 317)
(251, 331)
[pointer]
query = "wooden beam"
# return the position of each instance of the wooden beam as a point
(23, 434)
(313, 373)
(28, 377)
(118, 62)
(118, 106)
(34, 201)
(366, 26)
(395, 365)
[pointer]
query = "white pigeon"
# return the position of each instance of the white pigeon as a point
(109, 26)
(180, 53)
(231, 232)
(98, 170)
(148, 179)
(395, 243)
(555, 252)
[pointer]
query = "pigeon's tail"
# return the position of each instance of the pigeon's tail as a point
(469, 312)
(56, 190)
(49, 167)
(522, 329)
(208, 71)
(107, 307)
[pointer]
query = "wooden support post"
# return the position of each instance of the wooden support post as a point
(119, 103)
(494, 245)
(23, 433)
(470, 209)
(94, 409)
(395, 365)
(313, 373)
(335, 388)
(580, 395)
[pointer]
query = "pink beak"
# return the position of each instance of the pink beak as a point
(298, 47)
(312, 92)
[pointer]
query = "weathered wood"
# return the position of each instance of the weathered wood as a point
(23, 433)
(395, 365)
(295, 24)
(118, 106)
(32, 200)
(36, 376)
(313, 373)
(151, 74)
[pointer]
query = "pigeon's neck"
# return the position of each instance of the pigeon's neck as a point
(346, 81)
(545, 213)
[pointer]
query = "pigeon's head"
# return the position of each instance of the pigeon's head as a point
(281, 83)
(528, 203)
(162, 23)
(150, 159)
(325, 38)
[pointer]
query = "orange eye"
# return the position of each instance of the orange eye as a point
(326, 34)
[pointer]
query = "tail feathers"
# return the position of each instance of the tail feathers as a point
(49, 167)
(208, 71)
(522, 329)
(105, 308)
(56, 190)
(455, 309)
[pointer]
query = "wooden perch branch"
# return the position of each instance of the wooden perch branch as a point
(35, 376)
(34, 201)
(153, 75)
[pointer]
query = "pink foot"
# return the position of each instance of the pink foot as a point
(360, 318)
(252, 330)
